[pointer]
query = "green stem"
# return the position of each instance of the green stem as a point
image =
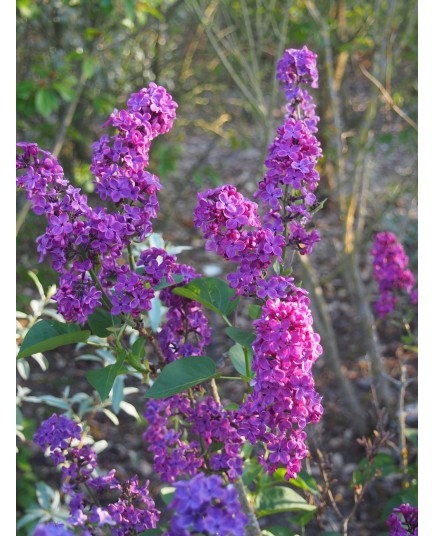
(230, 378)
(131, 258)
(105, 298)
(247, 362)
(226, 319)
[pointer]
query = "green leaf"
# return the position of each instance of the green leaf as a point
(255, 311)
(100, 320)
(411, 435)
(50, 334)
(89, 67)
(178, 278)
(129, 9)
(182, 374)
(251, 471)
(238, 360)
(303, 480)
(211, 292)
(138, 348)
(25, 89)
(280, 499)
(167, 493)
(118, 394)
(154, 314)
(382, 463)
(46, 101)
(152, 11)
(103, 379)
(67, 93)
(241, 336)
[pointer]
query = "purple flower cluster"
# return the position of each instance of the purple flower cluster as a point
(173, 454)
(52, 529)
(230, 222)
(295, 69)
(288, 186)
(185, 452)
(391, 272)
(284, 399)
(119, 161)
(204, 505)
(133, 511)
(223, 215)
(405, 523)
(86, 244)
(186, 330)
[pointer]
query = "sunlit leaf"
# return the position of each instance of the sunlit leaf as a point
(50, 334)
(182, 374)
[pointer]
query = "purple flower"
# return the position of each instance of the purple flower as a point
(403, 521)
(52, 529)
(283, 400)
(204, 504)
(391, 272)
(132, 511)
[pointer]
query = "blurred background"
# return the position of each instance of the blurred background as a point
(79, 59)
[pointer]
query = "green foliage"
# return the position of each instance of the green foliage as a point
(304, 480)
(279, 499)
(211, 292)
(182, 374)
(50, 334)
(103, 379)
(237, 355)
(381, 465)
(101, 320)
(167, 493)
(241, 336)
(26, 479)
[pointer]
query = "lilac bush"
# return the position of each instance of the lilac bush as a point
(190, 432)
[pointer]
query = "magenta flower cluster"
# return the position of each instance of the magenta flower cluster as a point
(132, 512)
(188, 451)
(283, 400)
(204, 505)
(230, 222)
(403, 521)
(87, 244)
(390, 266)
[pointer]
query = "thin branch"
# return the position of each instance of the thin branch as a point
(388, 98)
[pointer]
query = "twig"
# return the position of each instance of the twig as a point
(388, 98)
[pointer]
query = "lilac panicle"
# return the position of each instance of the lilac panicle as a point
(178, 453)
(390, 264)
(403, 521)
(79, 238)
(52, 529)
(133, 511)
(205, 505)
(283, 400)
